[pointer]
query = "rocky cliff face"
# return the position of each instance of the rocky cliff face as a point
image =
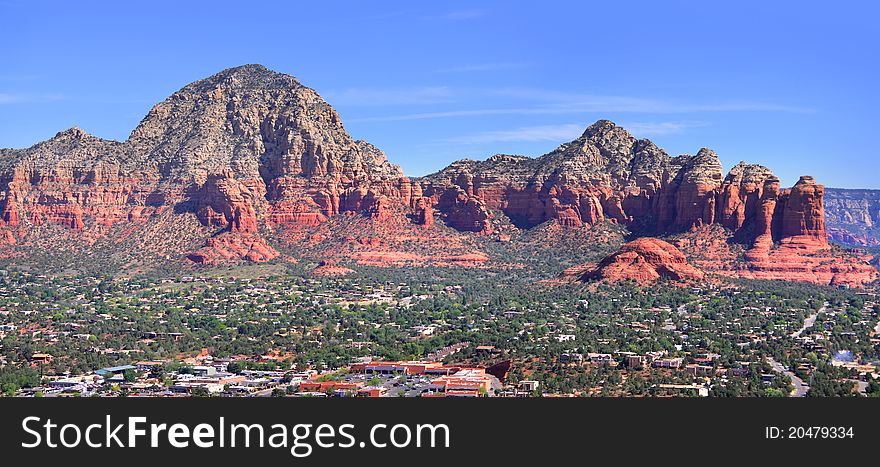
(248, 157)
(245, 145)
(853, 216)
(607, 174)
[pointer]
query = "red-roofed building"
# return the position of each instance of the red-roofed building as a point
(372, 391)
(407, 368)
(467, 382)
(40, 358)
(328, 386)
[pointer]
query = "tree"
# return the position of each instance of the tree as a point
(157, 372)
(873, 389)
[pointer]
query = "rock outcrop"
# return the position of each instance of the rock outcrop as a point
(644, 260)
(803, 216)
(423, 212)
(231, 246)
(710, 249)
(464, 211)
(228, 203)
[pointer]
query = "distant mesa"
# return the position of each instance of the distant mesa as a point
(853, 216)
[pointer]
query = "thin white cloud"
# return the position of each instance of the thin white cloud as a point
(734, 106)
(27, 98)
(390, 97)
(569, 131)
(114, 100)
(480, 67)
(455, 15)
(598, 104)
(563, 132)
(640, 104)
(529, 101)
(644, 129)
(448, 114)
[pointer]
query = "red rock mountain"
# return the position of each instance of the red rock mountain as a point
(607, 174)
(245, 146)
(644, 261)
(236, 166)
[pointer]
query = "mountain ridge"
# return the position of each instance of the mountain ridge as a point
(853, 216)
(253, 154)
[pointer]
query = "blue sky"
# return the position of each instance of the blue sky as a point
(789, 85)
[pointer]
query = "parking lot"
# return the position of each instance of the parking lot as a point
(395, 385)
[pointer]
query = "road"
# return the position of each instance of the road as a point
(800, 387)
(809, 321)
(262, 393)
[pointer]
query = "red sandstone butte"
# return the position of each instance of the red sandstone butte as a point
(229, 246)
(644, 261)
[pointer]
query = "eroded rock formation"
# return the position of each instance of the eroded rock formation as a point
(607, 174)
(644, 261)
(253, 155)
(244, 147)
